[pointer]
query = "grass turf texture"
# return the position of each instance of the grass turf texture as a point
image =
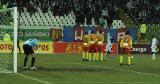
(70, 69)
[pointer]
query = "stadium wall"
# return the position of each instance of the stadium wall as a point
(71, 36)
(43, 47)
(68, 34)
(71, 47)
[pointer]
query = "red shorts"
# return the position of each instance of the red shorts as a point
(100, 48)
(125, 50)
(85, 48)
(93, 48)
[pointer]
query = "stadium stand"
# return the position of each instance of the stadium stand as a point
(84, 12)
(62, 12)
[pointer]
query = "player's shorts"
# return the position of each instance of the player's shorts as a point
(85, 47)
(27, 49)
(154, 50)
(125, 44)
(100, 46)
(125, 50)
(93, 48)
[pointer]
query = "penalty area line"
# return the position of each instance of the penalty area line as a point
(121, 70)
(88, 82)
(35, 79)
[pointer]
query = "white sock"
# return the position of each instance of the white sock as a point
(153, 57)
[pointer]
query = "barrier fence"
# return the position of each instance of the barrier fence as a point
(71, 47)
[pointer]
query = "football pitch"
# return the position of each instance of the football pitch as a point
(70, 69)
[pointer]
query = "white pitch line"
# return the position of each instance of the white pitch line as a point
(121, 70)
(35, 79)
(112, 82)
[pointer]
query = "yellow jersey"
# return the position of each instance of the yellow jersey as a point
(93, 38)
(126, 41)
(100, 39)
(86, 40)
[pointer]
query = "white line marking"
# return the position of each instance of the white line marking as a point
(120, 70)
(68, 82)
(35, 79)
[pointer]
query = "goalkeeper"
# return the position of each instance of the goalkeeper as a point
(28, 50)
(126, 45)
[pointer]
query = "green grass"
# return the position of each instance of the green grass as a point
(69, 69)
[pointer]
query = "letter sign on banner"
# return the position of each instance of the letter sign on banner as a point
(78, 34)
(120, 33)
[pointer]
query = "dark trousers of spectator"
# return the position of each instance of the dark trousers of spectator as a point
(109, 22)
(89, 21)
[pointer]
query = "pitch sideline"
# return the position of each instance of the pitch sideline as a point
(121, 70)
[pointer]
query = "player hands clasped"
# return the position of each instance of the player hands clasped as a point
(126, 45)
(28, 50)
(154, 47)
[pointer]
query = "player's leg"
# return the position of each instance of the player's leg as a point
(94, 52)
(121, 56)
(25, 61)
(26, 52)
(121, 59)
(83, 55)
(90, 53)
(129, 59)
(153, 56)
(97, 54)
(129, 56)
(87, 53)
(154, 53)
(90, 56)
(101, 53)
(33, 61)
(94, 55)
(108, 51)
(87, 57)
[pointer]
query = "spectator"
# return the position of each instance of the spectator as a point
(143, 29)
(6, 37)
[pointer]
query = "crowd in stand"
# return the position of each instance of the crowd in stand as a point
(138, 10)
(141, 11)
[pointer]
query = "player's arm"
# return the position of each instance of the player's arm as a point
(96, 39)
(121, 43)
(84, 38)
(130, 42)
(88, 39)
(103, 38)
